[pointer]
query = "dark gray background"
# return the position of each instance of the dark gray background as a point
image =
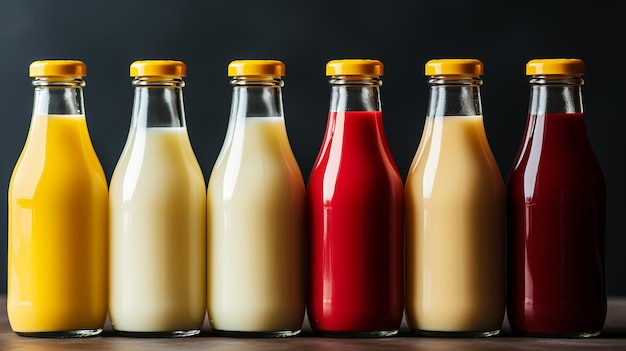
(207, 35)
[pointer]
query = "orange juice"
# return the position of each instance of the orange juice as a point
(58, 223)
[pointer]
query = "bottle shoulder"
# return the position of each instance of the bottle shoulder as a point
(555, 168)
(162, 153)
(355, 147)
(556, 141)
(59, 145)
(457, 142)
(265, 137)
(256, 158)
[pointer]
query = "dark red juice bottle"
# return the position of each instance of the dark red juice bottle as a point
(355, 198)
(556, 212)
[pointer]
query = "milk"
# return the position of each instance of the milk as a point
(158, 234)
(256, 231)
(454, 230)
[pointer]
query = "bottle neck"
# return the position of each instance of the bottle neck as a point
(58, 96)
(555, 94)
(257, 97)
(158, 102)
(355, 93)
(454, 96)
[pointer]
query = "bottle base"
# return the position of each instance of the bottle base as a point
(454, 334)
(581, 335)
(160, 334)
(259, 334)
(357, 334)
(81, 333)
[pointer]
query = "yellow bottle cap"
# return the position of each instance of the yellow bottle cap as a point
(158, 68)
(555, 66)
(347, 67)
(240, 68)
(468, 66)
(56, 68)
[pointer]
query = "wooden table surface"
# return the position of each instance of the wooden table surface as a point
(612, 338)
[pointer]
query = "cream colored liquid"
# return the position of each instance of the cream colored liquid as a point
(454, 230)
(158, 235)
(256, 217)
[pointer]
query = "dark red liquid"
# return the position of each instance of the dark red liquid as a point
(355, 196)
(556, 212)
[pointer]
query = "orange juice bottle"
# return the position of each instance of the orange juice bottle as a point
(58, 214)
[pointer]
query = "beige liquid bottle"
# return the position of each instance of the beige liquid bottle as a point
(454, 213)
(157, 214)
(256, 214)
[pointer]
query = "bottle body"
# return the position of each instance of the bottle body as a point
(355, 197)
(57, 253)
(556, 211)
(158, 221)
(257, 217)
(455, 213)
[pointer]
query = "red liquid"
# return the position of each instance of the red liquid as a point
(355, 196)
(556, 200)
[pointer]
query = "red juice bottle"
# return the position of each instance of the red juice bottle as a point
(556, 212)
(355, 198)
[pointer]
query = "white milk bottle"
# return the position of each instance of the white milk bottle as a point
(454, 212)
(157, 209)
(256, 213)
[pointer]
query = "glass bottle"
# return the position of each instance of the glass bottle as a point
(556, 212)
(256, 213)
(355, 197)
(57, 204)
(455, 212)
(157, 213)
